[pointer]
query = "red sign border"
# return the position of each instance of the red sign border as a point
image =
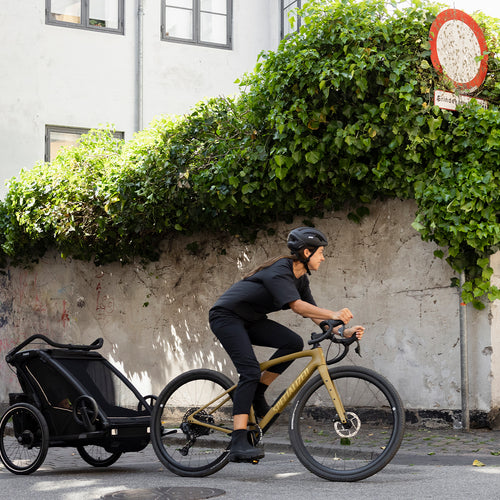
(459, 15)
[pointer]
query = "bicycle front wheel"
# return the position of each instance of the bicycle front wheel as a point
(363, 446)
(185, 448)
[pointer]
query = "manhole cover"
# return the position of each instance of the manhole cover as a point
(166, 493)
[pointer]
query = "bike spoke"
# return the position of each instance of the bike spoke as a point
(186, 445)
(363, 445)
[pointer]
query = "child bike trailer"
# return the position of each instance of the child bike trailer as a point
(72, 397)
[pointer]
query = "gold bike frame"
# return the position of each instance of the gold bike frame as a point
(317, 362)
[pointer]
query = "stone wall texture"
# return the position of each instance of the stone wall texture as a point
(154, 317)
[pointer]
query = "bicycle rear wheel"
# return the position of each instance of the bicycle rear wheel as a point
(188, 449)
(363, 446)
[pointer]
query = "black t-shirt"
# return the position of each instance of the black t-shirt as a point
(268, 290)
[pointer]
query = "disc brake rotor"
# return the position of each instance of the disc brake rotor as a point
(349, 429)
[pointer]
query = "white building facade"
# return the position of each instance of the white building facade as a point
(72, 65)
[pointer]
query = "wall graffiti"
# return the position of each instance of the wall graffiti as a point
(29, 312)
(26, 308)
(105, 304)
(65, 315)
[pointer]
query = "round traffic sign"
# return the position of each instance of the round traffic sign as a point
(458, 49)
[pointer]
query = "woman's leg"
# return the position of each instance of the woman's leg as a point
(233, 336)
(240, 421)
(268, 333)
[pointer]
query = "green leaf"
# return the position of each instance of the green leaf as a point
(280, 160)
(477, 304)
(248, 188)
(313, 157)
(281, 173)
(417, 226)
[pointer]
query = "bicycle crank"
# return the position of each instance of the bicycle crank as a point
(254, 434)
(350, 428)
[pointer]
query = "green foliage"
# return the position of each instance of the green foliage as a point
(339, 115)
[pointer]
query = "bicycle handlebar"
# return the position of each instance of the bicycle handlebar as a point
(317, 338)
(97, 344)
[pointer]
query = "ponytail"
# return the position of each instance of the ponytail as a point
(270, 262)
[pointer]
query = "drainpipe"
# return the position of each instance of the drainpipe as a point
(139, 65)
(464, 359)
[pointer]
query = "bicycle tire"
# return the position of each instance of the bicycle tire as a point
(185, 449)
(375, 412)
(24, 438)
(97, 456)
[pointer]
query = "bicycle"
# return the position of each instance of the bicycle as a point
(356, 415)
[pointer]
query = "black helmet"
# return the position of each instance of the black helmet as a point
(306, 237)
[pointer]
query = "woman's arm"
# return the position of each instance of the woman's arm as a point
(318, 314)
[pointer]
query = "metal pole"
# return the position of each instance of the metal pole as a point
(140, 65)
(464, 365)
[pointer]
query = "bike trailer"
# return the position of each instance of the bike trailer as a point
(72, 397)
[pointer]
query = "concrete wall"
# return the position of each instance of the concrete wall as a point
(53, 75)
(494, 317)
(154, 317)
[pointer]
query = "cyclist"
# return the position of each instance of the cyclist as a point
(239, 320)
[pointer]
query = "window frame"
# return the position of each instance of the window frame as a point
(283, 5)
(84, 18)
(195, 40)
(69, 130)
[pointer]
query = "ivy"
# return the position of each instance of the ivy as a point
(339, 115)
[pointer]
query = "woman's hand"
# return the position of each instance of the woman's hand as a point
(344, 315)
(354, 330)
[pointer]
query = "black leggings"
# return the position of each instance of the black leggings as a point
(237, 338)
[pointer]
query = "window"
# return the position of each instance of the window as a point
(200, 22)
(99, 15)
(290, 20)
(57, 137)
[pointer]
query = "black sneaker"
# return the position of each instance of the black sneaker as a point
(241, 450)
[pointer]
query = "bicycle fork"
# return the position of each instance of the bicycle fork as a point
(332, 391)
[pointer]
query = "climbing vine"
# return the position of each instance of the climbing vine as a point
(339, 115)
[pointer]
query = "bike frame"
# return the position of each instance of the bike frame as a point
(316, 363)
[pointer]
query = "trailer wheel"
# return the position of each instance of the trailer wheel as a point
(97, 456)
(24, 438)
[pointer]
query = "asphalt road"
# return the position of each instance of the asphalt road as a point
(280, 475)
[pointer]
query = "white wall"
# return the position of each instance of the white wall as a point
(73, 77)
(154, 318)
(179, 75)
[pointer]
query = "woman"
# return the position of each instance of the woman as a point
(239, 320)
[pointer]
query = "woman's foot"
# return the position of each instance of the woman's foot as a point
(241, 450)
